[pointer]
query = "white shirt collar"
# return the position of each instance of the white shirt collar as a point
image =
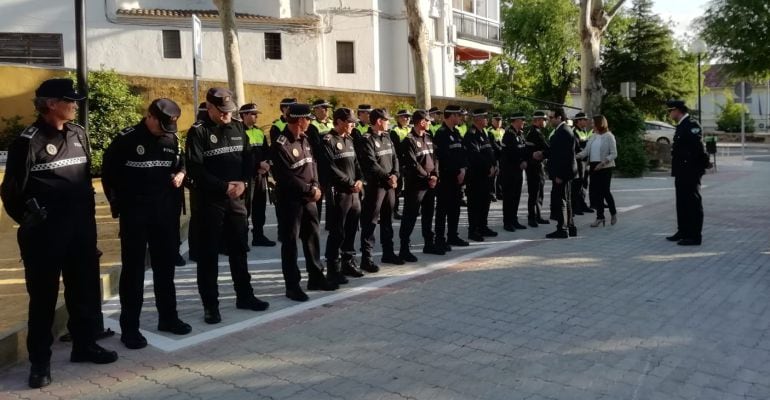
(682, 119)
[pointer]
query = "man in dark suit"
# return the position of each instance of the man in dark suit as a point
(689, 162)
(562, 168)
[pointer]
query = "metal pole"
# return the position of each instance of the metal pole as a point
(700, 111)
(743, 120)
(767, 108)
(82, 65)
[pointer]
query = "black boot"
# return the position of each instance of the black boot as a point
(517, 225)
(93, 353)
(405, 254)
(321, 283)
(532, 222)
(350, 268)
(334, 272)
(39, 375)
(368, 265)
(433, 248)
(389, 257)
(251, 302)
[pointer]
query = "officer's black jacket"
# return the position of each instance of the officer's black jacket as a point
(50, 166)
(420, 162)
(535, 142)
(688, 155)
(138, 166)
(339, 155)
(294, 167)
(513, 150)
(377, 157)
(275, 131)
(316, 144)
(561, 154)
(449, 152)
(216, 155)
(481, 154)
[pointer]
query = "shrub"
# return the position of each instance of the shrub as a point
(11, 128)
(730, 117)
(627, 124)
(112, 106)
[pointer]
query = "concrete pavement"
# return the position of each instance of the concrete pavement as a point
(617, 313)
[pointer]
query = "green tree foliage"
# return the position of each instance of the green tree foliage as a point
(730, 117)
(500, 80)
(626, 122)
(11, 128)
(739, 31)
(112, 106)
(543, 35)
(640, 48)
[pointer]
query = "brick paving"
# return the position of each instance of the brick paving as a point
(617, 313)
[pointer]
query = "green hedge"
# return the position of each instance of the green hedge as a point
(626, 122)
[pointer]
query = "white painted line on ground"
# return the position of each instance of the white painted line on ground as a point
(168, 345)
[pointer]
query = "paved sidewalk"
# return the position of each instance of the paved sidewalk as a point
(617, 313)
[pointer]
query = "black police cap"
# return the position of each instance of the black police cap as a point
(480, 112)
(378, 113)
(540, 114)
(579, 116)
(298, 110)
(364, 108)
(419, 115)
(288, 101)
(321, 103)
(403, 113)
(221, 98)
(249, 108)
(59, 88)
(167, 112)
(517, 115)
(344, 114)
(676, 104)
(434, 110)
(453, 109)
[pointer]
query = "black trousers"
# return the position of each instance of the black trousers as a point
(258, 205)
(417, 200)
(343, 215)
(378, 205)
(448, 194)
(298, 219)
(192, 232)
(222, 222)
(62, 245)
(478, 202)
(535, 188)
(143, 226)
(578, 187)
(689, 206)
(600, 190)
(512, 182)
(561, 205)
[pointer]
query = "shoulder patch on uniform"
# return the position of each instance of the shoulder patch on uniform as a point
(695, 130)
(197, 124)
(126, 131)
(281, 139)
(29, 132)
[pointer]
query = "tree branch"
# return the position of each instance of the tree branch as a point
(611, 14)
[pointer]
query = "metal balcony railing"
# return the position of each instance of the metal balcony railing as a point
(476, 28)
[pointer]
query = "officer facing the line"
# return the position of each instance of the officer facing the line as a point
(297, 191)
(257, 190)
(421, 174)
(220, 163)
(47, 190)
(345, 184)
(513, 163)
(141, 174)
(689, 162)
(378, 159)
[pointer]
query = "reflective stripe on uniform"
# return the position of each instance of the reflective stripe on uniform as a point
(148, 164)
(59, 164)
(424, 152)
(222, 150)
(346, 154)
(384, 152)
(455, 145)
(301, 162)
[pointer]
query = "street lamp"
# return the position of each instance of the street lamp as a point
(699, 47)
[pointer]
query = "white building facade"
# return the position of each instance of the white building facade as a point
(346, 44)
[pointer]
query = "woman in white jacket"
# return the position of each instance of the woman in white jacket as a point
(601, 151)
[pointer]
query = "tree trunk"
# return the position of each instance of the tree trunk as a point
(232, 51)
(593, 22)
(418, 41)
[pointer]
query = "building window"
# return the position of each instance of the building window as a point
(272, 46)
(172, 46)
(32, 48)
(345, 58)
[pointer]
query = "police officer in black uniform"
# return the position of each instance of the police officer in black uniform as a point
(219, 160)
(257, 190)
(379, 161)
(47, 190)
(689, 161)
(363, 126)
(453, 163)
(319, 127)
(513, 162)
(421, 177)
(297, 191)
(345, 184)
(141, 174)
(536, 142)
(482, 166)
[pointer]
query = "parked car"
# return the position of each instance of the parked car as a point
(658, 131)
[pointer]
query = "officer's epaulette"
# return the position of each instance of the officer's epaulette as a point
(76, 124)
(197, 124)
(126, 131)
(281, 140)
(29, 132)
(328, 137)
